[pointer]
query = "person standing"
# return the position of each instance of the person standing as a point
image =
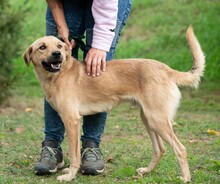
(102, 22)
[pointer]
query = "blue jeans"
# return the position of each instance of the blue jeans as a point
(80, 21)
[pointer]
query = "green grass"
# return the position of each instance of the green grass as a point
(155, 29)
(125, 144)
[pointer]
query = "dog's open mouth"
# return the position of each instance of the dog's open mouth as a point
(56, 65)
(52, 66)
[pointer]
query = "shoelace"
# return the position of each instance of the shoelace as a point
(48, 153)
(91, 153)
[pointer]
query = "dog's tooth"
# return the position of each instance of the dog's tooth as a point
(55, 66)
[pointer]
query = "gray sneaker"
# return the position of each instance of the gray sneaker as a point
(51, 159)
(92, 163)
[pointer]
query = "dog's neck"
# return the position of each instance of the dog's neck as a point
(46, 79)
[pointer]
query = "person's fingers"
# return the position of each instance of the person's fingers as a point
(94, 66)
(63, 32)
(98, 66)
(65, 39)
(95, 62)
(103, 64)
(73, 43)
(88, 61)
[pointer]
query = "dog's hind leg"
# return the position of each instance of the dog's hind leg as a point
(158, 148)
(163, 128)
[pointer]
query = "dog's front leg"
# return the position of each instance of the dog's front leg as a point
(72, 126)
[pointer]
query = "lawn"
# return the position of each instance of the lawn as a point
(155, 29)
(125, 144)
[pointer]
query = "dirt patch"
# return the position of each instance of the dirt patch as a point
(15, 105)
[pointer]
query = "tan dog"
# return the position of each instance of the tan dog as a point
(152, 84)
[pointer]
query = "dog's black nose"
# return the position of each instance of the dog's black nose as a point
(56, 54)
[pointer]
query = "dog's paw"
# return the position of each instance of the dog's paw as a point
(141, 171)
(186, 179)
(69, 174)
(65, 171)
(65, 177)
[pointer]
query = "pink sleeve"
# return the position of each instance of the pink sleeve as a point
(105, 17)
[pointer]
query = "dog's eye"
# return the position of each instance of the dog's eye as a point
(59, 46)
(42, 47)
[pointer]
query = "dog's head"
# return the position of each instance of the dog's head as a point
(47, 52)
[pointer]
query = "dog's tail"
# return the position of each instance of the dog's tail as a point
(192, 77)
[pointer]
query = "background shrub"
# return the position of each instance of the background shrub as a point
(10, 39)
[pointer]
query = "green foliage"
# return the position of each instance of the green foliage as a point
(156, 29)
(10, 26)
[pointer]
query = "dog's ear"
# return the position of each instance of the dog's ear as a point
(27, 55)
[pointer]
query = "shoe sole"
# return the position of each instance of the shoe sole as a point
(45, 171)
(91, 171)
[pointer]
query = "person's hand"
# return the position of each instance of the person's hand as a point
(63, 32)
(95, 62)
